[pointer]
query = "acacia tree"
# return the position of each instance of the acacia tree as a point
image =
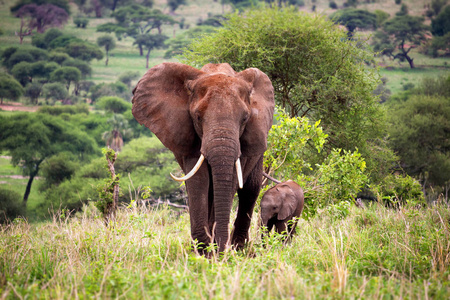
(355, 18)
(43, 16)
(108, 43)
(32, 138)
(136, 20)
(150, 42)
(315, 69)
(403, 33)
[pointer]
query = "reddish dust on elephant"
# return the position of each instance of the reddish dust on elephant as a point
(215, 121)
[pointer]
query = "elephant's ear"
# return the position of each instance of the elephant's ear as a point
(288, 204)
(161, 103)
(254, 137)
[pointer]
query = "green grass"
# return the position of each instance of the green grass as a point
(375, 253)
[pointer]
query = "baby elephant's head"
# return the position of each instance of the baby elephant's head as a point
(278, 202)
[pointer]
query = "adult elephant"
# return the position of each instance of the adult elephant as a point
(215, 121)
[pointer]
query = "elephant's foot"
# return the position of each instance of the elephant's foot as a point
(239, 240)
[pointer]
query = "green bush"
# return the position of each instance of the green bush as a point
(11, 205)
(81, 22)
(113, 104)
(399, 189)
(58, 168)
(64, 109)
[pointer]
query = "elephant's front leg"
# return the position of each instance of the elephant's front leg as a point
(198, 189)
(247, 199)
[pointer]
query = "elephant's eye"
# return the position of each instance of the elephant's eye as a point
(245, 118)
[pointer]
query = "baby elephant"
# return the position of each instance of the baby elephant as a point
(280, 204)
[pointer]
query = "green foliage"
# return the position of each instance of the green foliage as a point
(397, 190)
(55, 91)
(441, 24)
(418, 133)
(403, 10)
(64, 4)
(178, 44)
(149, 163)
(66, 75)
(106, 190)
(65, 109)
(174, 4)
(400, 34)
(341, 176)
(10, 88)
(58, 168)
(113, 104)
(33, 91)
(117, 89)
(82, 66)
(315, 69)
(11, 206)
(32, 138)
(127, 77)
(42, 40)
(291, 146)
(14, 55)
(84, 51)
(353, 18)
(381, 16)
(81, 22)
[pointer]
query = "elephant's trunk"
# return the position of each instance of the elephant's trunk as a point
(222, 160)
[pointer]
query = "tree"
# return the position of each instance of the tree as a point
(355, 18)
(9, 88)
(315, 69)
(32, 138)
(43, 16)
(174, 4)
(113, 104)
(403, 33)
(64, 4)
(136, 20)
(441, 24)
(150, 42)
(108, 43)
(83, 50)
(33, 90)
(419, 134)
(55, 91)
(182, 41)
(66, 75)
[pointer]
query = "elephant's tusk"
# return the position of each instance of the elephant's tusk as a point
(192, 172)
(239, 173)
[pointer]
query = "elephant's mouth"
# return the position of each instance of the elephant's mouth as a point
(199, 164)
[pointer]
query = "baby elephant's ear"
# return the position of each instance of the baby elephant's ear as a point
(288, 205)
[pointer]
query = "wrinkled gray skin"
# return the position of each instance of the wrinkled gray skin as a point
(220, 114)
(280, 204)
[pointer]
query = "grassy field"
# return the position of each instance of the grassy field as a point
(374, 253)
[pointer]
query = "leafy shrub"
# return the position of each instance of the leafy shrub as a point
(336, 182)
(117, 89)
(81, 22)
(58, 168)
(114, 105)
(399, 189)
(11, 205)
(55, 91)
(333, 5)
(65, 109)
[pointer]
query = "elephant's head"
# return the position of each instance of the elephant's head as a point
(280, 202)
(214, 113)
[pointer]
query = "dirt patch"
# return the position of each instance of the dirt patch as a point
(16, 106)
